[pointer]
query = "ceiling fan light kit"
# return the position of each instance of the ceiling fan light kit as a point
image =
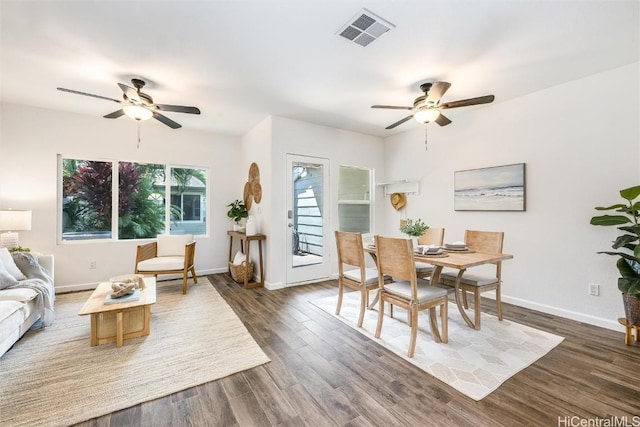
(426, 108)
(137, 113)
(426, 115)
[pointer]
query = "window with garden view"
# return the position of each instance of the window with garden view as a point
(138, 207)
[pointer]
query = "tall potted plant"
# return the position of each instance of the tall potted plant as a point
(237, 212)
(627, 249)
(415, 229)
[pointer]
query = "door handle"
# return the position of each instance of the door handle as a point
(290, 225)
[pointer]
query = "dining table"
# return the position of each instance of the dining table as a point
(460, 260)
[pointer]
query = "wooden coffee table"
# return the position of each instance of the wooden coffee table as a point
(119, 321)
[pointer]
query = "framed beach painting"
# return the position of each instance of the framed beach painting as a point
(497, 188)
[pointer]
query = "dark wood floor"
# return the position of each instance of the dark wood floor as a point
(323, 373)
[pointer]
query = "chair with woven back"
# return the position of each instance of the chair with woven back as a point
(169, 254)
(363, 279)
(490, 242)
(433, 236)
(395, 258)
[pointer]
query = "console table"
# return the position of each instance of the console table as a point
(246, 241)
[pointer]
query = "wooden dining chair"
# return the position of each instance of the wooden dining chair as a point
(395, 258)
(433, 236)
(486, 242)
(363, 279)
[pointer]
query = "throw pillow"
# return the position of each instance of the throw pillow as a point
(6, 279)
(10, 265)
(172, 245)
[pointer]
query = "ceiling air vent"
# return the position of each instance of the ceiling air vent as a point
(365, 27)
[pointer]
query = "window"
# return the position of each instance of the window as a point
(140, 186)
(91, 208)
(86, 199)
(188, 196)
(354, 199)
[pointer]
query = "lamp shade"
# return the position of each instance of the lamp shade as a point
(11, 220)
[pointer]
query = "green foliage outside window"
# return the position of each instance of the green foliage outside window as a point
(87, 198)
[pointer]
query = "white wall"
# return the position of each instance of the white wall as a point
(580, 143)
(30, 139)
(256, 147)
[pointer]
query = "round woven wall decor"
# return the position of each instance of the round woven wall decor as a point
(256, 190)
(247, 196)
(254, 173)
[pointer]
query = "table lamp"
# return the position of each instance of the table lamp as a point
(12, 221)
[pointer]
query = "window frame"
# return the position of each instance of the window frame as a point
(204, 204)
(351, 202)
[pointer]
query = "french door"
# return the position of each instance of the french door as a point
(307, 241)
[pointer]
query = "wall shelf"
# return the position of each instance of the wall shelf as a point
(400, 186)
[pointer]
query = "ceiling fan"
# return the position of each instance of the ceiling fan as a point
(426, 108)
(139, 106)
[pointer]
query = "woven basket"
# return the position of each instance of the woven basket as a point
(239, 272)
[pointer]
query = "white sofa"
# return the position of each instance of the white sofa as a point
(18, 310)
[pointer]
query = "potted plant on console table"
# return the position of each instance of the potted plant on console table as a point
(237, 212)
(628, 248)
(414, 229)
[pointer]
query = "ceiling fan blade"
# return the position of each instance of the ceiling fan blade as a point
(178, 108)
(130, 92)
(466, 102)
(115, 114)
(87, 94)
(166, 120)
(437, 90)
(392, 107)
(399, 122)
(442, 120)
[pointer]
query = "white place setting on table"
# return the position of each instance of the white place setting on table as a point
(428, 249)
(456, 246)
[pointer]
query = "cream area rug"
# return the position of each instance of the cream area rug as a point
(473, 362)
(54, 377)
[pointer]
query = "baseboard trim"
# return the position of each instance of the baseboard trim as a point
(92, 285)
(567, 314)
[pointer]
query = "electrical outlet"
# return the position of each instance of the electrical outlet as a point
(92, 265)
(594, 289)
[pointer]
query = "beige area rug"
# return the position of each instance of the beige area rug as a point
(473, 362)
(54, 377)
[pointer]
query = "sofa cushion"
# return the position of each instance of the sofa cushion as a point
(162, 263)
(18, 294)
(7, 308)
(173, 245)
(12, 315)
(7, 260)
(6, 279)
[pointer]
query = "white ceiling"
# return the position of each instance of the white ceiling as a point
(239, 61)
